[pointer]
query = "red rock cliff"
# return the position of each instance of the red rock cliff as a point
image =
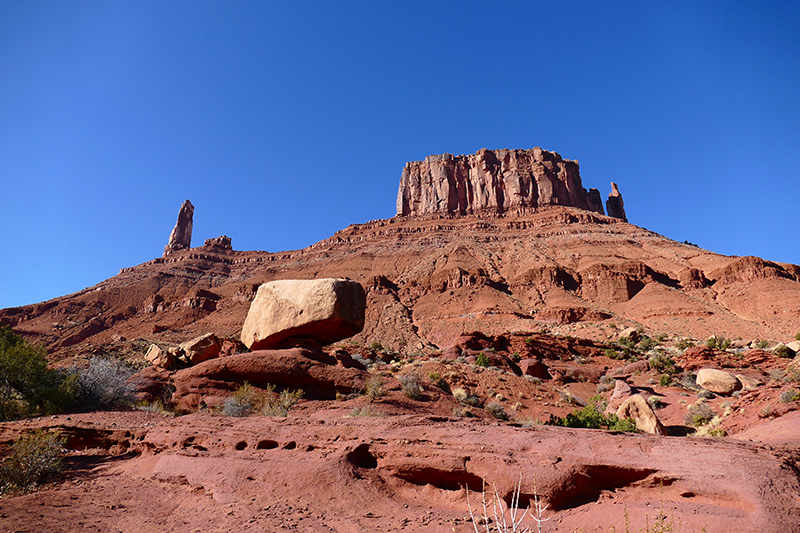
(492, 180)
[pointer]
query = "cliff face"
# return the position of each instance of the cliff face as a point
(492, 180)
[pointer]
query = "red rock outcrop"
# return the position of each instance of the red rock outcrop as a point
(181, 236)
(492, 180)
(614, 205)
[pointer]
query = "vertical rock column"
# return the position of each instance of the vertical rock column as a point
(181, 236)
(615, 207)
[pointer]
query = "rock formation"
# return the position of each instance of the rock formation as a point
(614, 205)
(181, 236)
(323, 310)
(492, 180)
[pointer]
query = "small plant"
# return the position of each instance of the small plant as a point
(33, 459)
(103, 383)
(783, 351)
(663, 364)
(699, 415)
(611, 353)
(591, 417)
(684, 344)
(665, 381)
(496, 520)
(496, 410)
(647, 344)
(661, 337)
(482, 360)
(627, 342)
(789, 396)
(762, 344)
(719, 342)
(376, 347)
(242, 402)
(373, 388)
(281, 405)
(797, 336)
(411, 386)
(766, 412)
(159, 407)
(530, 343)
(689, 381)
(704, 394)
(438, 381)
(364, 411)
(655, 402)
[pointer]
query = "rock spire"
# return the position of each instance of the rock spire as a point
(181, 236)
(614, 205)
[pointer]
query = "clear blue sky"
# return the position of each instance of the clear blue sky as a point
(286, 121)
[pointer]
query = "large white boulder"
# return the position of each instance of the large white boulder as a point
(637, 409)
(324, 310)
(718, 381)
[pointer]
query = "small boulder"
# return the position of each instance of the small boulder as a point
(794, 346)
(718, 381)
(534, 368)
(325, 310)
(158, 357)
(631, 333)
(748, 383)
(200, 349)
(637, 409)
(622, 391)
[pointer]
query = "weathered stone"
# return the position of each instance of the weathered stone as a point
(491, 180)
(324, 310)
(181, 236)
(794, 346)
(622, 391)
(637, 409)
(535, 368)
(717, 381)
(158, 357)
(748, 383)
(219, 243)
(200, 349)
(631, 333)
(615, 207)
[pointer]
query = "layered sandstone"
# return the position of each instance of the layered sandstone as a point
(493, 181)
(181, 236)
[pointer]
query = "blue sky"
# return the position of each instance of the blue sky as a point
(283, 122)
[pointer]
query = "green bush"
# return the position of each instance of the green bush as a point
(789, 396)
(783, 351)
(33, 459)
(373, 388)
(797, 336)
(482, 360)
(762, 344)
(242, 402)
(719, 342)
(281, 405)
(376, 347)
(663, 364)
(27, 386)
(699, 414)
(591, 417)
(684, 344)
(665, 380)
(647, 344)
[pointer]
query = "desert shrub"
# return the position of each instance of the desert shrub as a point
(242, 402)
(364, 411)
(282, 404)
(689, 380)
(373, 388)
(647, 344)
(762, 344)
(665, 380)
(627, 342)
(103, 383)
(704, 394)
(717, 432)
(611, 353)
(655, 402)
(591, 417)
(376, 347)
(766, 412)
(27, 386)
(603, 387)
(438, 381)
(698, 415)
(661, 337)
(411, 386)
(789, 396)
(663, 364)
(783, 351)
(530, 343)
(159, 407)
(496, 410)
(797, 336)
(534, 380)
(719, 342)
(466, 398)
(684, 344)
(482, 360)
(33, 459)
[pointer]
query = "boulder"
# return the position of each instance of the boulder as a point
(631, 333)
(158, 357)
(794, 346)
(748, 383)
(637, 409)
(325, 310)
(718, 381)
(622, 391)
(535, 368)
(200, 349)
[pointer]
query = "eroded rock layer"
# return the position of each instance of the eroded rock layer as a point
(492, 180)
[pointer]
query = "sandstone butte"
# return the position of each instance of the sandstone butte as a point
(502, 254)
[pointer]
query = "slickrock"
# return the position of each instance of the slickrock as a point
(492, 180)
(181, 236)
(200, 349)
(324, 310)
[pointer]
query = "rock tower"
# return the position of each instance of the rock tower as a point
(181, 236)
